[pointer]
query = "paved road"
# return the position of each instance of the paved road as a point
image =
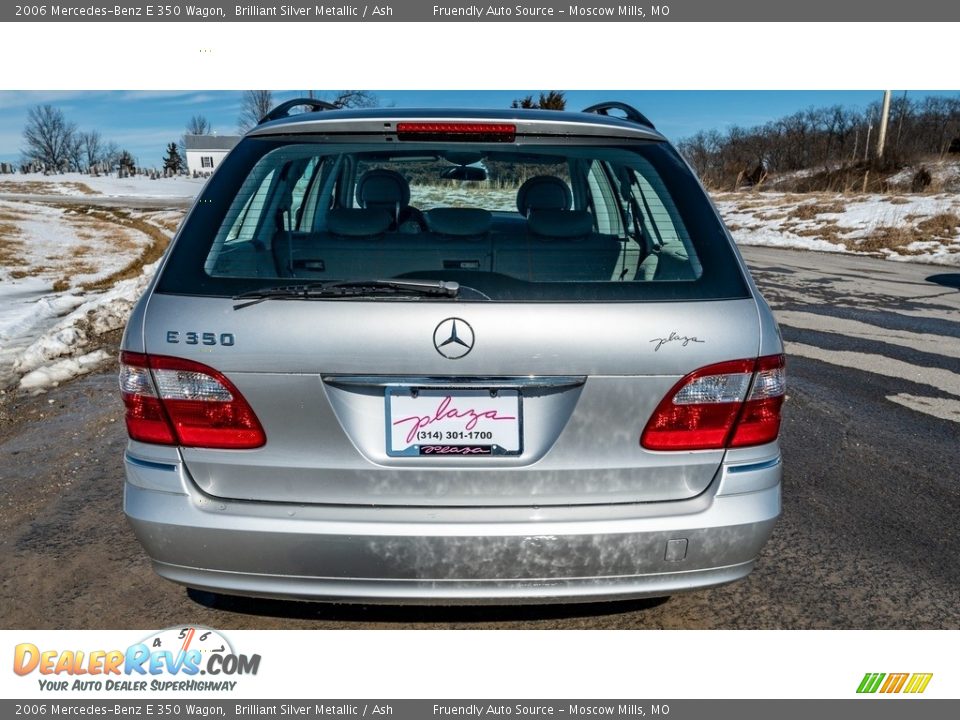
(868, 538)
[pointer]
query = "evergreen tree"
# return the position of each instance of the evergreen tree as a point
(126, 163)
(173, 162)
(552, 100)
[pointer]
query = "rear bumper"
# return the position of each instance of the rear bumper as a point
(451, 556)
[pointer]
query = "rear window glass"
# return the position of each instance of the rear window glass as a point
(513, 222)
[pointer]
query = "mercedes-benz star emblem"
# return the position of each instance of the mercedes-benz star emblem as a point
(453, 338)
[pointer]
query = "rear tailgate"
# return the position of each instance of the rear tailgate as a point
(586, 378)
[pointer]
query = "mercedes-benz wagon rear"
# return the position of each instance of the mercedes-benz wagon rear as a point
(452, 357)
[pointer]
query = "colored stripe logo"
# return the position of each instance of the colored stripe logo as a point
(913, 683)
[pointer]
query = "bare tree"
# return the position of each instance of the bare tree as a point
(75, 153)
(198, 125)
(253, 106)
(93, 148)
(111, 156)
(48, 137)
(354, 99)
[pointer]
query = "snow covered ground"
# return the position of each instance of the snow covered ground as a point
(69, 347)
(916, 228)
(79, 186)
(67, 276)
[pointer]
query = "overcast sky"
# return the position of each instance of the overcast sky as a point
(145, 121)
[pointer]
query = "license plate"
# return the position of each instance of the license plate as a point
(430, 422)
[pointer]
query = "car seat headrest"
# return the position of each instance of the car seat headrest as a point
(383, 188)
(543, 192)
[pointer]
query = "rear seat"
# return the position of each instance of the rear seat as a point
(560, 244)
(555, 244)
(357, 243)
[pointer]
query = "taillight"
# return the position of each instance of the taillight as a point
(171, 401)
(146, 420)
(456, 131)
(730, 404)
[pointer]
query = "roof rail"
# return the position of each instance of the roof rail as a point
(283, 109)
(631, 113)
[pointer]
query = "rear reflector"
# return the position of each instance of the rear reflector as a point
(171, 401)
(730, 404)
(456, 132)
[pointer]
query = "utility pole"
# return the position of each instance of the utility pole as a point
(884, 117)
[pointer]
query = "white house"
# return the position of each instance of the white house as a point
(205, 152)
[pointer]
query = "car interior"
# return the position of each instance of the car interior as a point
(532, 217)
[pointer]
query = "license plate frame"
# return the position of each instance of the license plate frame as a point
(432, 415)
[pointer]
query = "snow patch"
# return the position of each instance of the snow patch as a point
(62, 370)
(103, 185)
(98, 314)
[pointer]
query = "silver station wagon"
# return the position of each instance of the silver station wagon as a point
(452, 356)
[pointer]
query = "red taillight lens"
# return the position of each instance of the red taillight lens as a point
(171, 401)
(711, 409)
(457, 131)
(760, 420)
(146, 420)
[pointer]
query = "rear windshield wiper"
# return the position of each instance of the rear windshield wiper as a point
(348, 289)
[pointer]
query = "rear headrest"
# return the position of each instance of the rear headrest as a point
(383, 188)
(543, 192)
(459, 221)
(358, 222)
(560, 223)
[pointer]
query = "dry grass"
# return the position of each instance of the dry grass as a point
(886, 237)
(938, 228)
(151, 253)
(37, 187)
(10, 246)
(829, 231)
(29, 272)
(802, 215)
(102, 232)
(169, 225)
(808, 211)
(944, 225)
(93, 227)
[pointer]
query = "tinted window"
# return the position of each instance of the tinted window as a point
(518, 222)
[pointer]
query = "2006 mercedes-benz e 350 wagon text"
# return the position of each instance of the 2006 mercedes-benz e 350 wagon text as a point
(452, 357)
